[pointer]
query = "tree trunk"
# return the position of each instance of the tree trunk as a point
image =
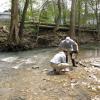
(98, 25)
(13, 36)
(97, 14)
(72, 19)
(23, 19)
(31, 7)
(79, 13)
(64, 12)
(79, 18)
(58, 20)
(98, 18)
(86, 12)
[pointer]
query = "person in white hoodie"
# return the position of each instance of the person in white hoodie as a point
(60, 61)
(72, 47)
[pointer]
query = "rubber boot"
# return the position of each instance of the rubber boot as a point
(73, 62)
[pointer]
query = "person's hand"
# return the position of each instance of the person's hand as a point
(73, 56)
(77, 51)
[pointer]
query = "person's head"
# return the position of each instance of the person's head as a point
(67, 38)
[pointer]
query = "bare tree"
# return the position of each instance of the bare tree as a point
(72, 19)
(86, 11)
(23, 19)
(79, 8)
(58, 19)
(13, 36)
(95, 5)
(16, 31)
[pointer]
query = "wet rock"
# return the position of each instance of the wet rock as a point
(85, 83)
(96, 64)
(18, 98)
(93, 88)
(45, 70)
(93, 77)
(97, 97)
(73, 81)
(35, 67)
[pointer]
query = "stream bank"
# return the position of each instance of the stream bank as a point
(43, 40)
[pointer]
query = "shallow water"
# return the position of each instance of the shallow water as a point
(24, 76)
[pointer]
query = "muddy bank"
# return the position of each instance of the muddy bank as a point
(44, 39)
(28, 42)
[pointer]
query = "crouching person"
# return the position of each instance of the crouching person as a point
(60, 62)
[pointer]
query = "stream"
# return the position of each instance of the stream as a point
(25, 75)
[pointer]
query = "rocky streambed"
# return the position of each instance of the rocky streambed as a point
(26, 76)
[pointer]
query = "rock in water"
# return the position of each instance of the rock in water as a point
(96, 64)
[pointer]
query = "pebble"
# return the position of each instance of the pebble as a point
(35, 67)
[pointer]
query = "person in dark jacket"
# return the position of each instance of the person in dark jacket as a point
(72, 47)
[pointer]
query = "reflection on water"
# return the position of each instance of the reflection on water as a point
(9, 59)
(89, 53)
